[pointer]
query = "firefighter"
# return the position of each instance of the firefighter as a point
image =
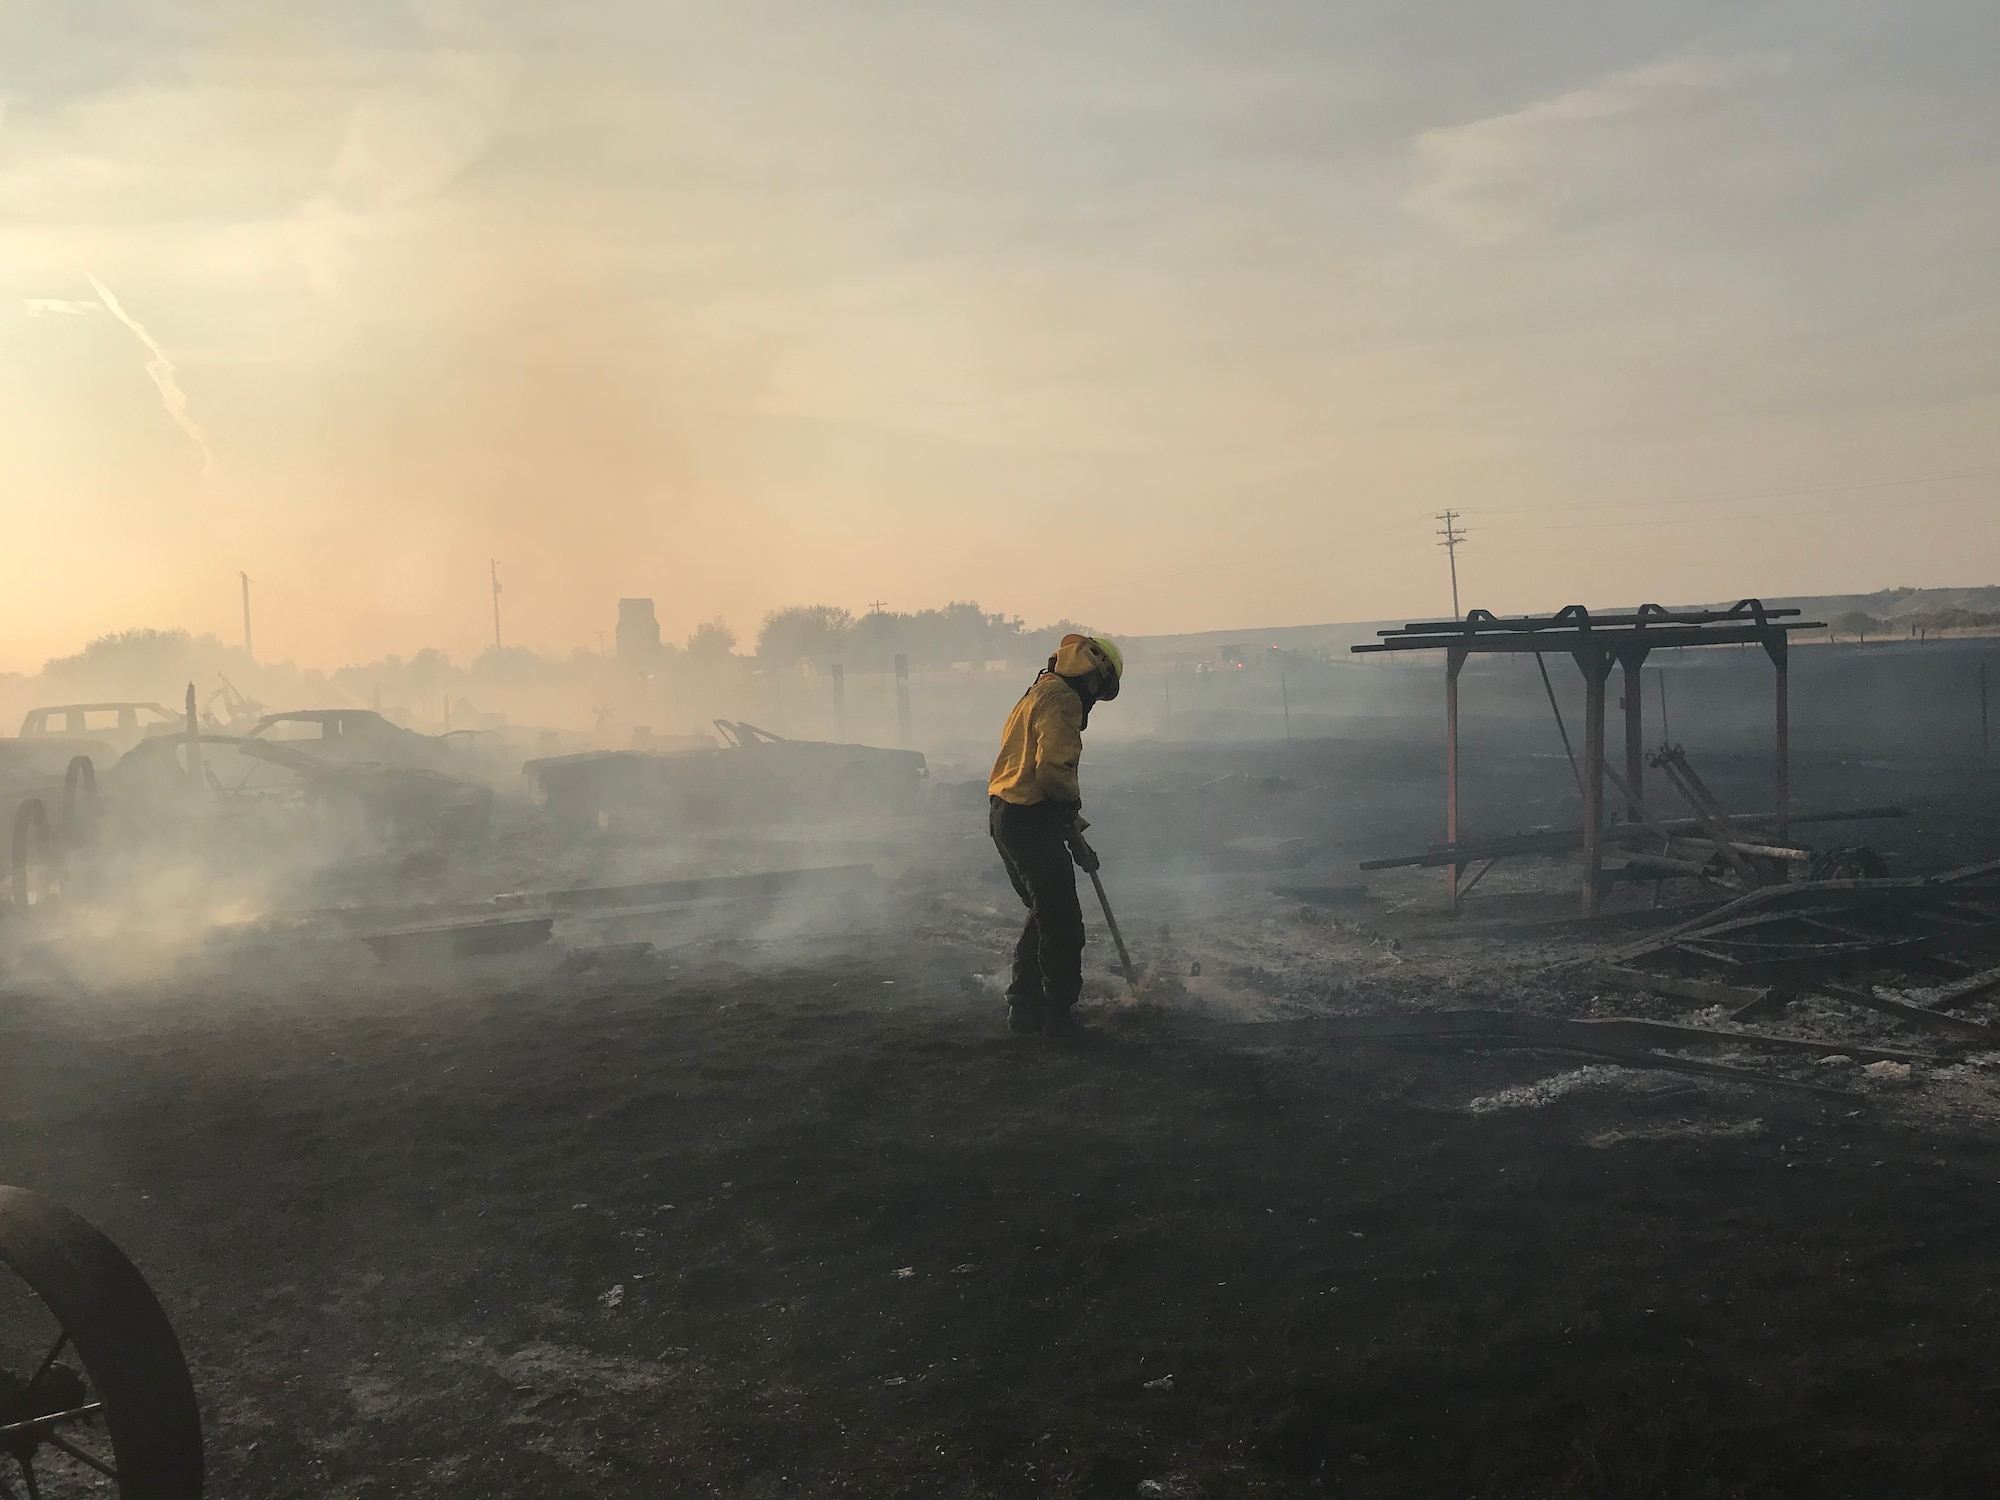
(1035, 815)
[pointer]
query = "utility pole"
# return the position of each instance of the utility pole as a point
(1453, 534)
(495, 564)
(248, 650)
(903, 699)
(876, 606)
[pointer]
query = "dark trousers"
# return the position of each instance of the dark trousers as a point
(1048, 959)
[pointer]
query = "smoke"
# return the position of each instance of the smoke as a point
(36, 307)
(161, 368)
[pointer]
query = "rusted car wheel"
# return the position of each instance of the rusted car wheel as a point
(104, 1370)
(37, 872)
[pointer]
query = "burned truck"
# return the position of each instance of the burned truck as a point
(753, 777)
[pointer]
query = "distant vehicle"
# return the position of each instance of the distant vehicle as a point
(756, 777)
(119, 725)
(348, 734)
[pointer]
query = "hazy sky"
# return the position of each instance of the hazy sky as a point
(1161, 315)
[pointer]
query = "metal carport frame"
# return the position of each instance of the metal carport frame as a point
(1597, 644)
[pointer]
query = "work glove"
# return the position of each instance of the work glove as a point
(1080, 851)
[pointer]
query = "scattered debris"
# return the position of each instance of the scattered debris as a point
(1855, 941)
(1541, 1094)
(613, 1298)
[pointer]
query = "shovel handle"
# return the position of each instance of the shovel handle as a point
(1124, 958)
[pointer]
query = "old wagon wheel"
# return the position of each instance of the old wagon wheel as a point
(79, 804)
(37, 873)
(132, 1392)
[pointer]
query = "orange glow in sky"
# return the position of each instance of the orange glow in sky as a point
(1165, 317)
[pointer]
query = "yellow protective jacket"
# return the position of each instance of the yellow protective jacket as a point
(1043, 740)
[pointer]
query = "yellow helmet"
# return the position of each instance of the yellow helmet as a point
(1115, 659)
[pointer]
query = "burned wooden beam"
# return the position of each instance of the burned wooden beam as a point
(1704, 990)
(1963, 992)
(1810, 963)
(1666, 865)
(1916, 1015)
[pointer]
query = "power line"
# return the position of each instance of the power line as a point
(1737, 499)
(1453, 534)
(1794, 513)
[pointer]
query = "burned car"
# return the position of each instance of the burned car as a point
(755, 776)
(185, 774)
(348, 734)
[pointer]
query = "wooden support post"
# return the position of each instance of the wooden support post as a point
(1596, 667)
(1635, 738)
(1775, 646)
(1454, 661)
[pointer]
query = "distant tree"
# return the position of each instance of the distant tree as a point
(142, 664)
(805, 632)
(512, 666)
(876, 639)
(712, 642)
(934, 638)
(1858, 624)
(428, 668)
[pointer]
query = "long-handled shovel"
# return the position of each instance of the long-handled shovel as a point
(1124, 958)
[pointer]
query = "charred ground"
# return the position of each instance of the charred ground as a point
(777, 1209)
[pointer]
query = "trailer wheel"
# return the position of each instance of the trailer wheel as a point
(79, 809)
(132, 1393)
(37, 874)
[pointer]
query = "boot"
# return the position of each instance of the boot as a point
(1024, 1020)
